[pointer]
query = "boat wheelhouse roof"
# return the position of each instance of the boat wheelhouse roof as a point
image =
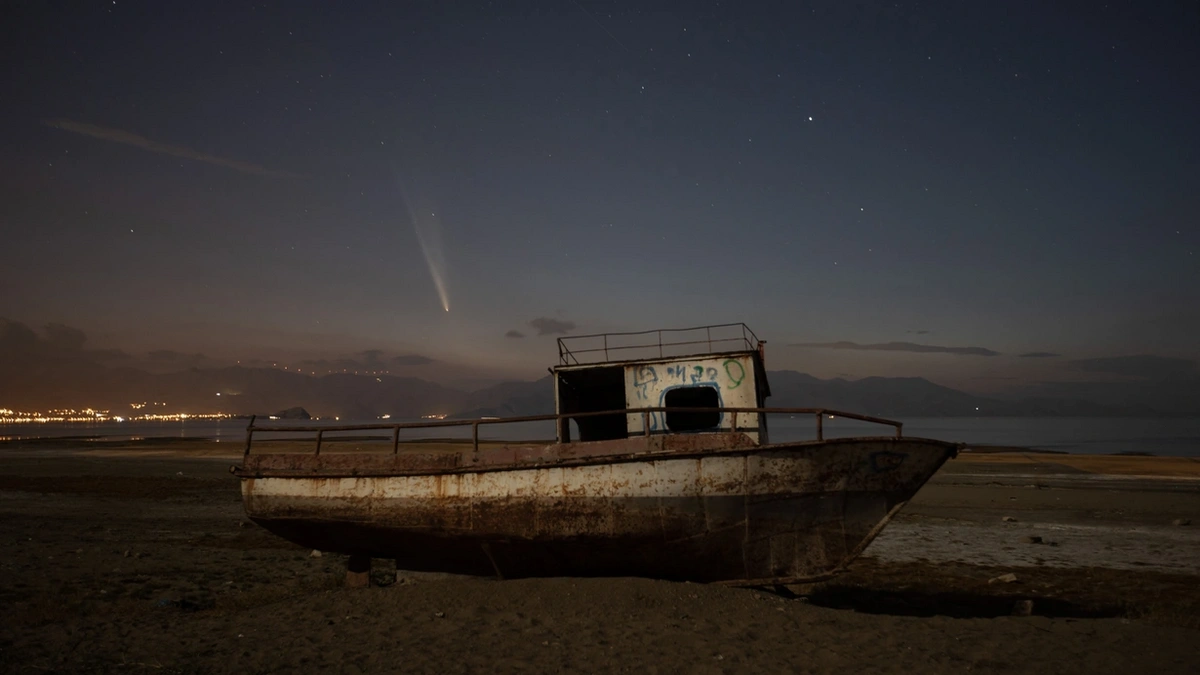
(655, 345)
(604, 351)
(617, 363)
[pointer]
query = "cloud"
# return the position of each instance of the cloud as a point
(19, 341)
(372, 358)
(17, 338)
(547, 326)
(172, 355)
(129, 138)
(514, 334)
(900, 347)
(411, 360)
(1142, 367)
(918, 332)
(107, 354)
(1039, 355)
(171, 359)
(63, 337)
(367, 360)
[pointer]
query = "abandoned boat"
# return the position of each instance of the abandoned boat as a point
(662, 467)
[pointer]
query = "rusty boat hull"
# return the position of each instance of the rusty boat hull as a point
(704, 508)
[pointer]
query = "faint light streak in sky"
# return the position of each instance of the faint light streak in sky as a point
(428, 229)
(129, 138)
(429, 235)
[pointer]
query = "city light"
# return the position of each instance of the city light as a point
(143, 404)
(8, 416)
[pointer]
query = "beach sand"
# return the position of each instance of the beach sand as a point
(138, 558)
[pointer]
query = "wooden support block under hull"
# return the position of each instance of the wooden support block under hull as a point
(358, 571)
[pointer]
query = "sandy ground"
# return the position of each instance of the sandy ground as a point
(129, 560)
(1113, 512)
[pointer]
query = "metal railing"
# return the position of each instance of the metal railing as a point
(730, 337)
(320, 431)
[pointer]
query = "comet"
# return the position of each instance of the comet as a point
(428, 228)
(429, 236)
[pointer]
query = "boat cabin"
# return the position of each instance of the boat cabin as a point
(702, 368)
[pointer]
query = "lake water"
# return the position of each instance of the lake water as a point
(1167, 437)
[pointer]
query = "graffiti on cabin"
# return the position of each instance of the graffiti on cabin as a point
(735, 371)
(646, 385)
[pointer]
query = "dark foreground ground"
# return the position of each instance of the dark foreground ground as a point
(137, 562)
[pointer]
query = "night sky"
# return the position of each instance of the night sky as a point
(302, 180)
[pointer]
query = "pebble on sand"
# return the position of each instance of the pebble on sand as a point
(1009, 519)
(315, 554)
(1003, 579)
(1033, 539)
(1181, 522)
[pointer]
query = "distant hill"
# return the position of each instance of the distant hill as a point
(914, 397)
(45, 383)
(70, 383)
(56, 369)
(511, 399)
(878, 396)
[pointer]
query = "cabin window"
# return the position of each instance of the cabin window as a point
(692, 397)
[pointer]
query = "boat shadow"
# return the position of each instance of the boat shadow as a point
(953, 604)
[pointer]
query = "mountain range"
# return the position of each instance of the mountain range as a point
(60, 382)
(57, 370)
(878, 396)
